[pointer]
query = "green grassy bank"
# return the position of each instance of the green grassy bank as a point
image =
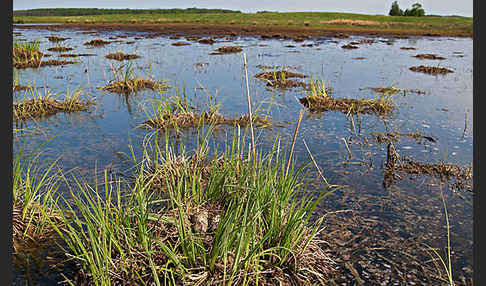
(309, 21)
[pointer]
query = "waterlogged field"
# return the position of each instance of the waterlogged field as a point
(394, 169)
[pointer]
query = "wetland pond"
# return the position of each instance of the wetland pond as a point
(376, 230)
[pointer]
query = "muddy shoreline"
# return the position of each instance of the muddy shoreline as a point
(233, 30)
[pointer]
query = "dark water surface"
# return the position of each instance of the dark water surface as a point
(101, 137)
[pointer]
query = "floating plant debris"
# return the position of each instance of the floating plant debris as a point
(407, 48)
(382, 105)
(394, 90)
(120, 56)
(430, 70)
(359, 58)
(429, 57)
(279, 79)
(278, 75)
(39, 63)
(75, 55)
(349, 46)
(209, 41)
(392, 136)
(56, 39)
(46, 106)
(341, 35)
(177, 44)
(59, 49)
(443, 171)
(193, 120)
(192, 38)
(130, 42)
(227, 50)
(96, 42)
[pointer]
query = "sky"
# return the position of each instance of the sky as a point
(379, 7)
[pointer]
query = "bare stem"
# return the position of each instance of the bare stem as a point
(301, 114)
(249, 105)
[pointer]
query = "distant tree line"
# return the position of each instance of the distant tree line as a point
(96, 11)
(416, 10)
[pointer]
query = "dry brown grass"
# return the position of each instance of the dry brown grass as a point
(75, 55)
(429, 57)
(227, 50)
(133, 85)
(177, 44)
(430, 70)
(194, 120)
(56, 39)
(279, 79)
(59, 49)
(382, 105)
(120, 56)
(96, 42)
(45, 106)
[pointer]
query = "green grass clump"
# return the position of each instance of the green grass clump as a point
(34, 190)
(38, 106)
(200, 219)
(26, 54)
(305, 21)
(176, 112)
(120, 56)
(318, 100)
(124, 82)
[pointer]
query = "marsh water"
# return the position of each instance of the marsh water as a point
(411, 208)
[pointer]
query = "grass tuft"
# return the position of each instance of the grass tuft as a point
(318, 100)
(215, 219)
(120, 56)
(39, 106)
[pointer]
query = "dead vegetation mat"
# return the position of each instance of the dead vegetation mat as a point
(46, 106)
(96, 42)
(59, 49)
(193, 120)
(120, 56)
(430, 69)
(346, 105)
(459, 177)
(429, 57)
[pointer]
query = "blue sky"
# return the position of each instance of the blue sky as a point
(436, 7)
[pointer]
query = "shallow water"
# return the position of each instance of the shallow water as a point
(100, 137)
